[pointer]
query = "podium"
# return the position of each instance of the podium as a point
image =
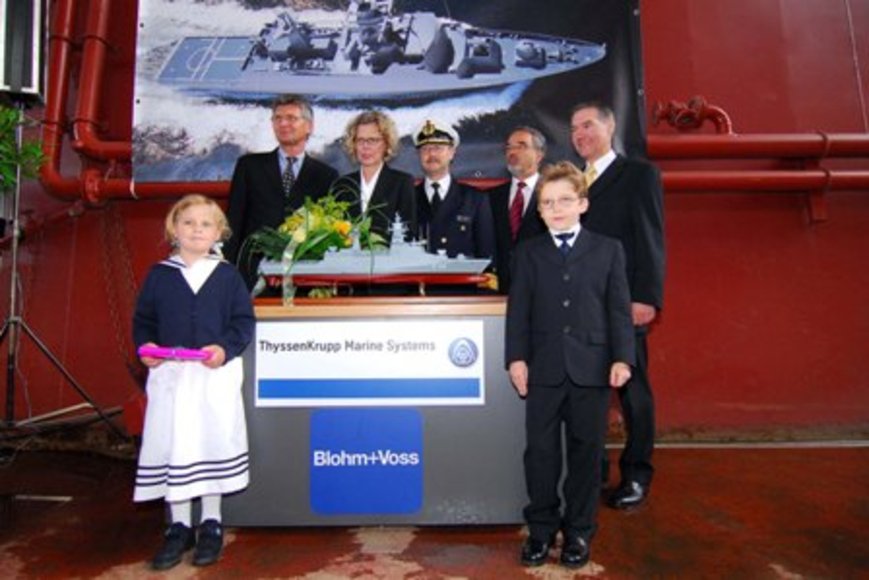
(333, 447)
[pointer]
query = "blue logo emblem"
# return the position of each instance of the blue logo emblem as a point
(463, 352)
(366, 461)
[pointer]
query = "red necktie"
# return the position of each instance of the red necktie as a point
(516, 210)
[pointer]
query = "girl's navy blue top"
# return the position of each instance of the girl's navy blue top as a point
(168, 312)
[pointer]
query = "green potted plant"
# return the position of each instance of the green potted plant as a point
(26, 155)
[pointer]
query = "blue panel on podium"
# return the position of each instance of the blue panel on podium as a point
(366, 461)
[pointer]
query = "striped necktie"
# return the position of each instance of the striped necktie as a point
(288, 177)
(516, 209)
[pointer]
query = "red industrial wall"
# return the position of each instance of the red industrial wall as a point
(765, 326)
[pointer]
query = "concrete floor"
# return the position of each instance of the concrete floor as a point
(756, 512)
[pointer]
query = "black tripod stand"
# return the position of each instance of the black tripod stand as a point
(14, 322)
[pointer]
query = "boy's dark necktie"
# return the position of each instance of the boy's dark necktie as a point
(564, 247)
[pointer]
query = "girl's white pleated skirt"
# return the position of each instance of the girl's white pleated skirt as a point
(194, 441)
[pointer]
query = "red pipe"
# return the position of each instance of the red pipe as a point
(85, 138)
(819, 145)
(91, 185)
(771, 180)
(720, 119)
(689, 116)
(56, 93)
(98, 188)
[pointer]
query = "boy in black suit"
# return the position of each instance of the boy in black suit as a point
(569, 339)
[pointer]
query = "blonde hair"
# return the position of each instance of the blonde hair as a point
(189, 201)
(385, 125)
(564, 171)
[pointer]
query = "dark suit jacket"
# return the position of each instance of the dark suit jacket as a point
(462, 225)
(256, 199)
(393, 194)
(626, 202)
(532, 225)
(569, 317)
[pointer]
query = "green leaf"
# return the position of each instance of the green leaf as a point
(28, 156)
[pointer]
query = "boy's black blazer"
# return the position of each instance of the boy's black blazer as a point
(569, 317)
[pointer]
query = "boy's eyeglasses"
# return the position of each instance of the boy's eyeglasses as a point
(561, 202)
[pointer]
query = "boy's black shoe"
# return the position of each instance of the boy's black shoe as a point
(177, 540)
(535, 552)
(574, 553)
(209, 544)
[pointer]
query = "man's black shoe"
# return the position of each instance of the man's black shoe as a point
(574, 553)
(535, 552)
(209, 544)
(177, 540)
(629, 494)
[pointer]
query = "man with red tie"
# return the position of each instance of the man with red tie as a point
(514, 204)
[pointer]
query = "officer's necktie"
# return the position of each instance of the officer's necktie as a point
(435, 198)
(516, 210)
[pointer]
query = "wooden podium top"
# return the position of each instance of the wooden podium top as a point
(381, 307)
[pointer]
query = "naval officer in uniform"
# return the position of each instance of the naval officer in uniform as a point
(454, 218)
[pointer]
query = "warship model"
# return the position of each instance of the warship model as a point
(375, 52)
(402, 257)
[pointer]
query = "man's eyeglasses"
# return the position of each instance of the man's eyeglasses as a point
(286, 118)
(560, 202)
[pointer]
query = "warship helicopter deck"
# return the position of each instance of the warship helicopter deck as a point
(374, 52)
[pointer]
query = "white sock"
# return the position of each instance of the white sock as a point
(211, 507)
(180, 511)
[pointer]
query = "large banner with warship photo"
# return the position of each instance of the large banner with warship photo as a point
(206, 72)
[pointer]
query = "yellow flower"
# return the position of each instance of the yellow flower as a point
(300, 235)
(343, 227)
(312, 230)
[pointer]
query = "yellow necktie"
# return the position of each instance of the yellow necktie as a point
(590, 174)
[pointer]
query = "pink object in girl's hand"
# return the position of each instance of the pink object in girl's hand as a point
(174, 353)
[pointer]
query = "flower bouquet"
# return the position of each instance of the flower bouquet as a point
(308, 233)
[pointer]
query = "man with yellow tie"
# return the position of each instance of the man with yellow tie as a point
(626, 202)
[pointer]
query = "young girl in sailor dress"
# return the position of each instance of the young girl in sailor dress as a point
(194, 443)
